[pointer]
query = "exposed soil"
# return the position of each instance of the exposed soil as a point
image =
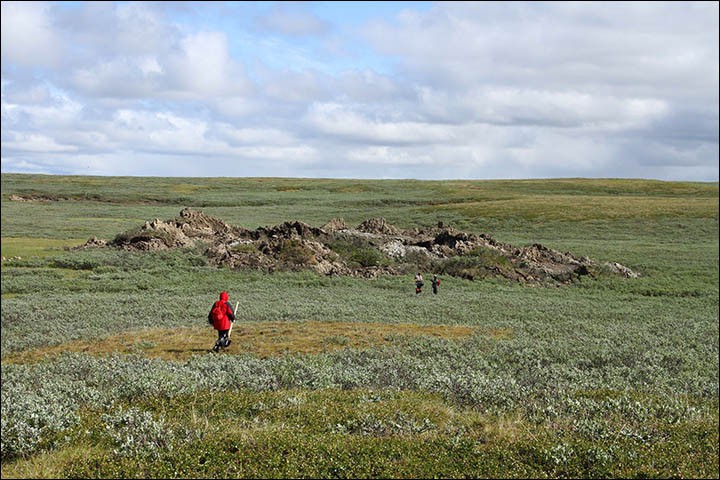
(35, 198)
(372, 248)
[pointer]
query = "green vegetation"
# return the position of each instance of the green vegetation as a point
(477, 264)
(105, 373)
(355, 252)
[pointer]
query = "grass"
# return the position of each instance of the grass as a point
(261, 339)
(571, 208)
(344, 377)
(17, 248)
(362, 434)
(105, 206)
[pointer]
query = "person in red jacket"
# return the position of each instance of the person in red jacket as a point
(220, 316)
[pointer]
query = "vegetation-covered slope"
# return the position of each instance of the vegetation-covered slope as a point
(104, 373)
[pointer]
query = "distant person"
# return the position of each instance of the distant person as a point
(435, 284)
(220, 316)
(418, 283)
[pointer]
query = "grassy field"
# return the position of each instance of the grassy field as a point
(106, 371)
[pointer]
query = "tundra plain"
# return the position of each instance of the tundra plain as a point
(106, 371)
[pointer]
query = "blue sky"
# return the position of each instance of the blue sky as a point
(426, 90)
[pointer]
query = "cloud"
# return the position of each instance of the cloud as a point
(526, 106)
(642, 48)
(391, 90)
(119, 78)
(203, 67)
(387, 156)
(286, 20)
(101, 30)
(34, 142)
(38, 108)
(343, 122)
(27, 34)
(253, 136)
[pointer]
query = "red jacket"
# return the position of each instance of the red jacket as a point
(223, 323)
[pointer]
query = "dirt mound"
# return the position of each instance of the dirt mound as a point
(35, 198)
(288, 230)
(335, 225)
(378, 225)
(374, 247)
(186, 230)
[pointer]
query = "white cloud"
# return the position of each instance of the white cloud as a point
(345, 122)
(27, 94)
(368, 86)
(237, 106)
(590, 46)
(161, 132)
(253, 136)
(565, 108)
(527, 106)
(117, 78)
(204, 68)
(455, 90)
(27, 34)
(384, 155)
(35, 142)
(37, 108)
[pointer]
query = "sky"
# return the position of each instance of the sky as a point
(366, 90)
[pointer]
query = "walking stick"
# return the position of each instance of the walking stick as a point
(233, 323)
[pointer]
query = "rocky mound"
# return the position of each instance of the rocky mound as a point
(374, 247)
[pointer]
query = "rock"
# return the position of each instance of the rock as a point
(295, 245)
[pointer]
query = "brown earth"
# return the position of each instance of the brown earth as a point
(35, 198)
(372, 248)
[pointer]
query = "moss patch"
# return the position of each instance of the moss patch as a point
(264, 339)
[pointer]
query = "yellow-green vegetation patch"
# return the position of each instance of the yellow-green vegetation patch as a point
(105, 220)
(50, 464)
(263, 339)
(351, 189)
(327, 410)
(185, 188)
(36, 247)
(585, 207)
(499, 333)
(561, 186)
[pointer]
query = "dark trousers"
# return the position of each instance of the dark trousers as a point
(222, 338)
